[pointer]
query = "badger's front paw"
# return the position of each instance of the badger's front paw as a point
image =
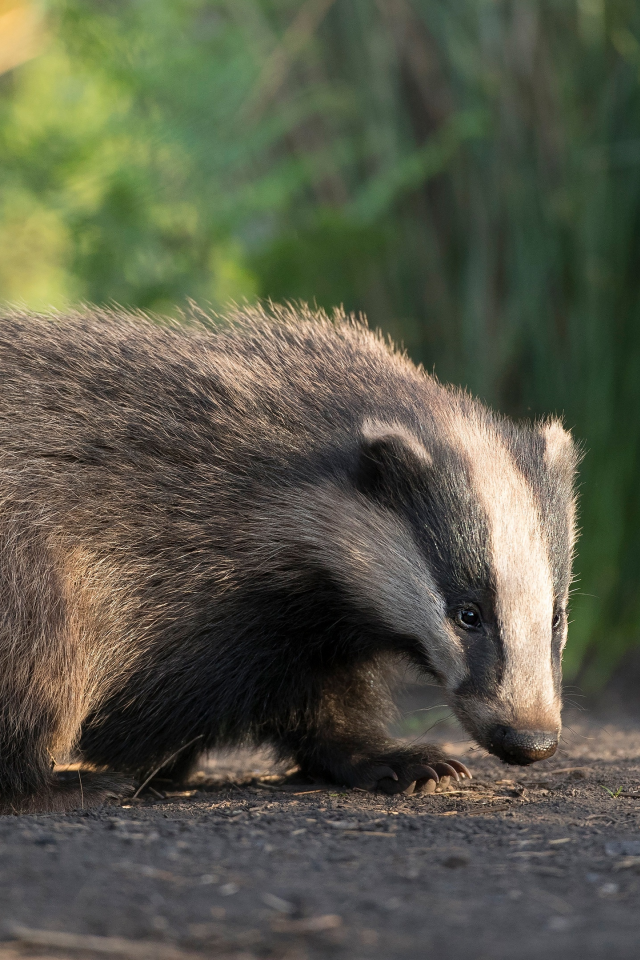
(396, 773)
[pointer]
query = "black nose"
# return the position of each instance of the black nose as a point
(522, 746)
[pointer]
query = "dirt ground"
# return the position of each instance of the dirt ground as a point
(539, 862)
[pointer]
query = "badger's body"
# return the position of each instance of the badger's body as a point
(215, 537)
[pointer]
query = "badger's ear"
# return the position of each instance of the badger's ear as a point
(560, 452)
(391, 459)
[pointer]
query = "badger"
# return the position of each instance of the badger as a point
(215, 534)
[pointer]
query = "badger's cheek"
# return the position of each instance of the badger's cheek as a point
(514, 738)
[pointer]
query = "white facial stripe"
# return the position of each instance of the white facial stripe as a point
(521, 567)
(559, 448)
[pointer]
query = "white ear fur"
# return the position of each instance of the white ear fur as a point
(558, 442)
(377, 431)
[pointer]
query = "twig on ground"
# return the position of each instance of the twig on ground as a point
(107, 946)
(163, 764)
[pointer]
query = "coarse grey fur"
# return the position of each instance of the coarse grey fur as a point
(214, 536)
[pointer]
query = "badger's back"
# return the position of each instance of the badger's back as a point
(84, 388)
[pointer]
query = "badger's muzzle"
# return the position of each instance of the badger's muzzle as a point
(522, 746)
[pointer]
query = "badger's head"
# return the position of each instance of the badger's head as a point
(472, 564)
(458, 539)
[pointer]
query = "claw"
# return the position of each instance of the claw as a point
(379, 773)
(460, 767)
(427, 773)
(423, 776)
(385, 779)
(447, 770)
(413, 777)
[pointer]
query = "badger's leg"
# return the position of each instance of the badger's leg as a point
(30, 730)
(43, 679)
(34, 724)
(343, 739)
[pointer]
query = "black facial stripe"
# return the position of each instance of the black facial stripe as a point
(452, 529)
(556, 661)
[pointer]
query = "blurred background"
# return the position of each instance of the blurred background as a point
(466, 172)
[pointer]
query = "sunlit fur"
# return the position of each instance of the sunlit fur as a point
(226, 534)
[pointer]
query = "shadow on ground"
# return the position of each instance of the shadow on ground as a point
(540, 862)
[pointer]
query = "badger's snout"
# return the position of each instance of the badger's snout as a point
(522, 746)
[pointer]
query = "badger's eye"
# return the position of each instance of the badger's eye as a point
(557, 620)
(468, 618)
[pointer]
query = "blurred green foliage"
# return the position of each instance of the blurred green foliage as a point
(466, 172)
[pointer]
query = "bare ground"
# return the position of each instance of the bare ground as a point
(541, 862)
